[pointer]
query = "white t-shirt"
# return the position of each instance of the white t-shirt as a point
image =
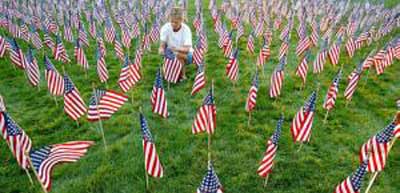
(183, 37)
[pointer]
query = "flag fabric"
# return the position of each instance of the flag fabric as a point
(199, 81)
(205, 120)
(352, 184)
(109, 31)
(138, 58)
(318, 65)
(2, 105)
(47, 39)
(199, 51)
(353, 82)
(158, 99)
(252, 96)
(101, 66)
(74, 105)
(284, 49)
(379, 59)
(152, 162)
(267, 162)
(264, 55)
(119, 51)
(315, 30)
(35, 38)
(376, 149)
(104, 103)
(303, 45)
(18, 141)
(44, 159)
(32, 69)
(17, 56)
(303, 120)
(333, 90)
(277, 79)
(227, 45)
(250, 43)
(60, 54)
(55, 82)
(80, 55)
(334, 52)
(126, 38)
(350, 47)
(82, 36)
(302, 68)
(172, 67)
(232, 68)
(4, 46)
(210, 183)
(129, 76)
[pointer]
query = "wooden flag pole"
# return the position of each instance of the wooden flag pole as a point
(29, 176)
(266, 180)
(34, 171)
(326, 117)
(100, 122)
(146, 175)
(301, 145)
(248, 122)
(209, 134)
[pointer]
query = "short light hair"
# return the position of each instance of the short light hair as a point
(177, 13)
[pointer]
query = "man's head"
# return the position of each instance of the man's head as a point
(176, 18)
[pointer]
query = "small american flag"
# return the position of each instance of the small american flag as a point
(119, 51)
(303, 120)
(126, 37)
(303, 45)
(199, 80)
(74, 106)
(4, 46)
(210, 183)
(315, 32)
(35, 38)
(205, 119)
(17, 57)
(32, 68)
(283, 50)
(102, 71)
(55, 82)
(129, 76)
(155, 32)
(16, 139)
(252, 96)
(227, 45)
(199, 51)
(277, 79)
(319, 62)
(46, 158)
(59, 52)
(232, 68)
(104, 103)
(353, 183)
(82, 35)
(172, 67)
(353, 82)
(158, 100)
(138, 58)
(376, 149)
(379, 59)
(250, 43)
(68, 36)
(350, 47)
(109, 30)
(265, 53)
(267, 162)
(152, 162)
(330, 98)
(80, 55)
(47, 40)
(334, 52)
(302, 68)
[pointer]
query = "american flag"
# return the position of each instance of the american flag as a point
(210, 183)
(17, 57)
(152, 162)
(32, 68)
(197, 21)
(80, 55)
(227, 45)
(126, 37)
(47, 40)
(319, 62)
(35, 38)
(60, 54)
(232, 68)
(119, 51)
(135, 30)
(104, 103)
(302, 68)
(100, 43)
(303, 120)
(82, 36)
(379, 59)
(68, 36)
(240, 31)
(74, 106)
(353, 82)
(250, 43)
(286, 31)
(158, 99)
(155, 32)
(46, 158)
(129, 75)
(198, 53)
(92, 26)
(205, 119)
(350, 47)
(55, 82)
(376, 149)
(102, 71)
(16, 139)
(4, 46)
(199, 80)
(259, 28)
(315, 32)
(334, 52)
(277, 78)
(304, 44)
(267, 162)
(172, 67)
(109, 30)
(138, 58)
(352, 184)
(283, 50)
(330, 98)
(252, 96)
(265, 53)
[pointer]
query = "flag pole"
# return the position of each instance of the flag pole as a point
(29, 176)
(145, 171)
(209, 134)
(34, 171)
(326, 117)
(266, 180)
(100, 122)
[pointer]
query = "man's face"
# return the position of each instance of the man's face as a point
(176, 23)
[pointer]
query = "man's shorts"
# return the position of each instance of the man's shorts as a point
(189, 58)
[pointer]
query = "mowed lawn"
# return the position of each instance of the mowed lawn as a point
(237, 148)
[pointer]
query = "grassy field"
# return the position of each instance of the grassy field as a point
(237, 149)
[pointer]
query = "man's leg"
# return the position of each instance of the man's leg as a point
(182, 57)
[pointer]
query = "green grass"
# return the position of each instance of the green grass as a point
(237, 149)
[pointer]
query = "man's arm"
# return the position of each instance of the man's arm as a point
(161, 50)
